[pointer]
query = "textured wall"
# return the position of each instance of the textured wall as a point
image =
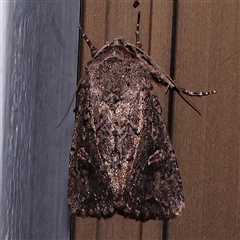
(40, 65)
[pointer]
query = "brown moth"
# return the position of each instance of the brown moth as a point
(122, 160)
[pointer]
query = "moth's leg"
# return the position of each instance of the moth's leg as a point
(93, 49)
(160, 76)
(138, 43)
(197, 94)
(164, 79)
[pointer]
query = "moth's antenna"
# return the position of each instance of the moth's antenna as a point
(69, 105)
(138, 42)
(93, 49)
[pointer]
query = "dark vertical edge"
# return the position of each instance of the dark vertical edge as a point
(80, 39)
(79, 73)
(141, 231)
(72, 227)
(165, 228)
(172, 64)
(98, 229)
(171, 93)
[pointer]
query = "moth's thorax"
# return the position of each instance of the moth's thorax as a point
(118, 47)
(119, 41)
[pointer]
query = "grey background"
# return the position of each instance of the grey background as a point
(40, 78)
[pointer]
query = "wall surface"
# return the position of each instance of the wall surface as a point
(206, 57)
(39, 62)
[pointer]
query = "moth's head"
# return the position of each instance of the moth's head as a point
(118, 47)
(119, 41)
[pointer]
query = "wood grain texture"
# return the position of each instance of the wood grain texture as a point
(207, 146)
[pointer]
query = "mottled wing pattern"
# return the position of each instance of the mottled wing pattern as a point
(121, 159)
(89, 193)
(155, 191)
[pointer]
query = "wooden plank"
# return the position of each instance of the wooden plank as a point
(85, 228)
(118, 227)
(207, 146)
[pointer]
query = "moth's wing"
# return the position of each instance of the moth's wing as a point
(121, 157)
(155, 191)
(88, 193)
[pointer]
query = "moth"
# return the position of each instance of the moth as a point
(122, 160)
